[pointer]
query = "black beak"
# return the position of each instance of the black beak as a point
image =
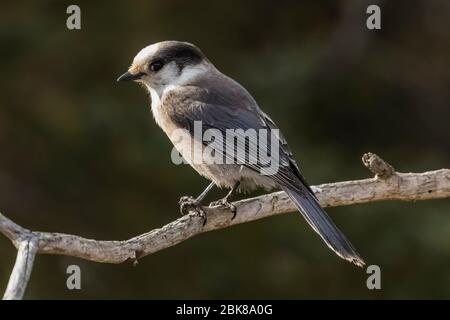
(127, 76)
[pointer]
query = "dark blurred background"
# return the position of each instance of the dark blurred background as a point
(80, 153)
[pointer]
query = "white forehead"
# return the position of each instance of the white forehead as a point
(145, 53)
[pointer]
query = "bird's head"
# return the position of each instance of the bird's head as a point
(167, 63)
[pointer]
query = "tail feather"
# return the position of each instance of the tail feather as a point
(319, 220)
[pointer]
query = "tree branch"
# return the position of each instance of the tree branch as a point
(386, 185)
(22, 270)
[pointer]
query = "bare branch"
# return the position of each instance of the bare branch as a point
(378, 166)
(22, 270)
(386, 185)
(12, 230)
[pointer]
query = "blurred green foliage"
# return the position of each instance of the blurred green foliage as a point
(81, 154)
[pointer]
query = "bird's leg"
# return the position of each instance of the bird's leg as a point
(224, 201)
(188, 203)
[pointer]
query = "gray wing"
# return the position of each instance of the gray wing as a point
(221, 104)
(284, 147)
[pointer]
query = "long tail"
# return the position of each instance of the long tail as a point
(319, 220)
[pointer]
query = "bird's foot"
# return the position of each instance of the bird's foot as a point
(225, 204)
(188, 204)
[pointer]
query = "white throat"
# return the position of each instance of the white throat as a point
(188, 74)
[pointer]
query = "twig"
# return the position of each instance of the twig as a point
(378, 166)
(22, 270)
(386, 185)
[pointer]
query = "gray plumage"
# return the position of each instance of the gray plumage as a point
(189, 88)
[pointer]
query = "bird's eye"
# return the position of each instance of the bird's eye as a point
(156, 65)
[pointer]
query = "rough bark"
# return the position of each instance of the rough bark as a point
(386, 185)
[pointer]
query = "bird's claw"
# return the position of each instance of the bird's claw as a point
(188, 204)
(225, 204)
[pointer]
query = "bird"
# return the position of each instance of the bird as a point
(186, 88)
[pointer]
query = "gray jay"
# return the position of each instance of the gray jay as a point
(185, 88)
